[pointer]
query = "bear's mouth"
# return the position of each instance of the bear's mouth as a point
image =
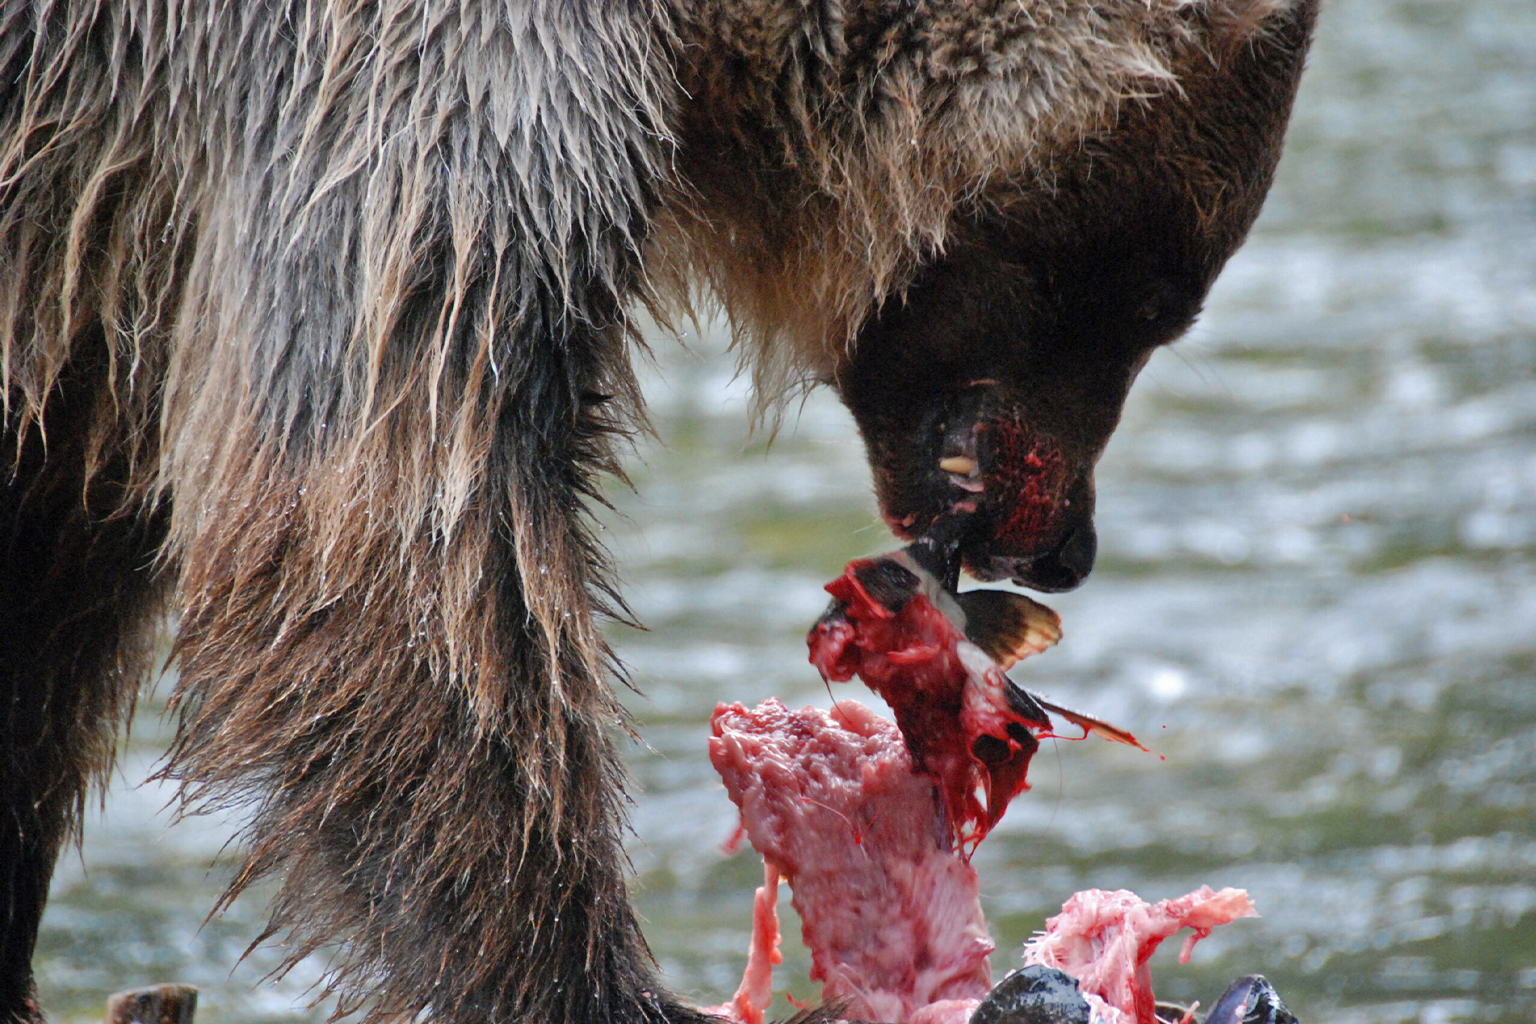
(959, 462)
(985, 489)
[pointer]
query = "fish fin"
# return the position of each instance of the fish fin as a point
(1098, 727)
(1008, 626)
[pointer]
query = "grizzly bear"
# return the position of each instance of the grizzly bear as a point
(316, 333)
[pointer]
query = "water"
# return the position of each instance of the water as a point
(1316, 599)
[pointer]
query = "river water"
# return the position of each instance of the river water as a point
(1316, 599)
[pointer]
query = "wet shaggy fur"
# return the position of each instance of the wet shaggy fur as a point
(314, 329)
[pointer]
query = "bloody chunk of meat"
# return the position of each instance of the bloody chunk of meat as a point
(965, 723)
(1105, 940)
(889, 911)
(888, 908)
(756, 989)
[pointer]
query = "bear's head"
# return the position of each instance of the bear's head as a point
(977, 222)
(987, 389)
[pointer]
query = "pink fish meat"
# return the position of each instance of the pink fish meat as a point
(888, 910)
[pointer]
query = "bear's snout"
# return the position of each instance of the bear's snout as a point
(1063, 568)
(1033, 519)
(980, 477)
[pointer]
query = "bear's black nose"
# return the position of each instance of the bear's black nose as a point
(1078, 551)
(1065, 567)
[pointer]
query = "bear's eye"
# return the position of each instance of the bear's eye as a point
(1161, 306)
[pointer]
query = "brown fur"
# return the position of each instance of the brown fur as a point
(314, 315)
(825, 153)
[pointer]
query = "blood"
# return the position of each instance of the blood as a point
(732, 844)
(964, 723)
(1030, 471)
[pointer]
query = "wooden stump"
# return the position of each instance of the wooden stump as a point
(159, 1004)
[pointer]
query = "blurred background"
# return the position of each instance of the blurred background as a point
(1316, 598)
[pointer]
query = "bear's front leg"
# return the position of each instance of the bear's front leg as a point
(398, 369)
(388, 654)
(424, 758)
